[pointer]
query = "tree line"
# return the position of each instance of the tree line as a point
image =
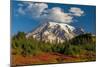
(28, 47)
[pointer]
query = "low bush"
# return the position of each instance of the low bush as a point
(30, 46)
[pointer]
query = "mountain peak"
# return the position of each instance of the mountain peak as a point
(63, 25)
(53, 32)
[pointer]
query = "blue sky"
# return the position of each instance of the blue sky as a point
(24, 18)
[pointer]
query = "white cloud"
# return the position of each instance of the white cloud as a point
(36, 9)
(57, 15)
(41, 12)
(20, 4)
(76, 11)
(33, 9)
(21, 11)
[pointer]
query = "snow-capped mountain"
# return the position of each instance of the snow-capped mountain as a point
(54, 32)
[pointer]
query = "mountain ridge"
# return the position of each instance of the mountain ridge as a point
(54, 32)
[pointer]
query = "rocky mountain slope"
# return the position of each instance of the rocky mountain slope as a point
(54, 32)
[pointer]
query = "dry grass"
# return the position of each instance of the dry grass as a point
(48, 58)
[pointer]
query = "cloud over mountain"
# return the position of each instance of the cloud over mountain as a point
(76, 11)
(41, 11)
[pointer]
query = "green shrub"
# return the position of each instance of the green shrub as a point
(30, 46)
(83, 39)
(89, 47)
(71, 50)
